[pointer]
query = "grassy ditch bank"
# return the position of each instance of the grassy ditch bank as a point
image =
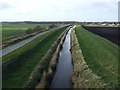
(47, 77)
(82, 76)
(100, 55)
(19, 64)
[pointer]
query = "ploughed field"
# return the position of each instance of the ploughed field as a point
(110, 33)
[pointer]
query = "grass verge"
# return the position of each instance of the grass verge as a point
(82, 76)
(100, 55)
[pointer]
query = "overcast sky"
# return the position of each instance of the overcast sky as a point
(59, 10)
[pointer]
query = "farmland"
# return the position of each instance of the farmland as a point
(14, 33)
(90, 52)
(101, 56)
(24, 61)
(110, 33)
(14, 30)
(52, 44)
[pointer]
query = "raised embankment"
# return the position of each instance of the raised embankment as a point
(31, 61)
(95, 60)
(82, 76)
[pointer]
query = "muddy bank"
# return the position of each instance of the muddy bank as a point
(46, 78)
(82, 76)
(110, 33)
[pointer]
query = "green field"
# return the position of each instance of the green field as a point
(24, 61)
(14, 30)
(100, 55)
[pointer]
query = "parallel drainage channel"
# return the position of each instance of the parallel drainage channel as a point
(64, 69)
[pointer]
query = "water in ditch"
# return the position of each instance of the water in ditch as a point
(62, 75)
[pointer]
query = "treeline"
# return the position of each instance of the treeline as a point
(45, 22)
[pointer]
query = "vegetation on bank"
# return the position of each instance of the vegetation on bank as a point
(17, 41)
(82, 76)
(100, 54)
(16, 30)
(39, 28)
(47, 76)
(19, 64)
(30, 32)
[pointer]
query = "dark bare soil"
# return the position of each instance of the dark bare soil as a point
(110, 33)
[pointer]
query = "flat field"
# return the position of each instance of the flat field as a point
(100, 54)
(14, 30)
(110, 33)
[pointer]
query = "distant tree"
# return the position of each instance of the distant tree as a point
(35, 29)
(29, 31)
(52, 26)
(39, 28)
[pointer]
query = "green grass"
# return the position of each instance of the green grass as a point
(14, 30)
(16, 41)
(25, 59)
(100, 54)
